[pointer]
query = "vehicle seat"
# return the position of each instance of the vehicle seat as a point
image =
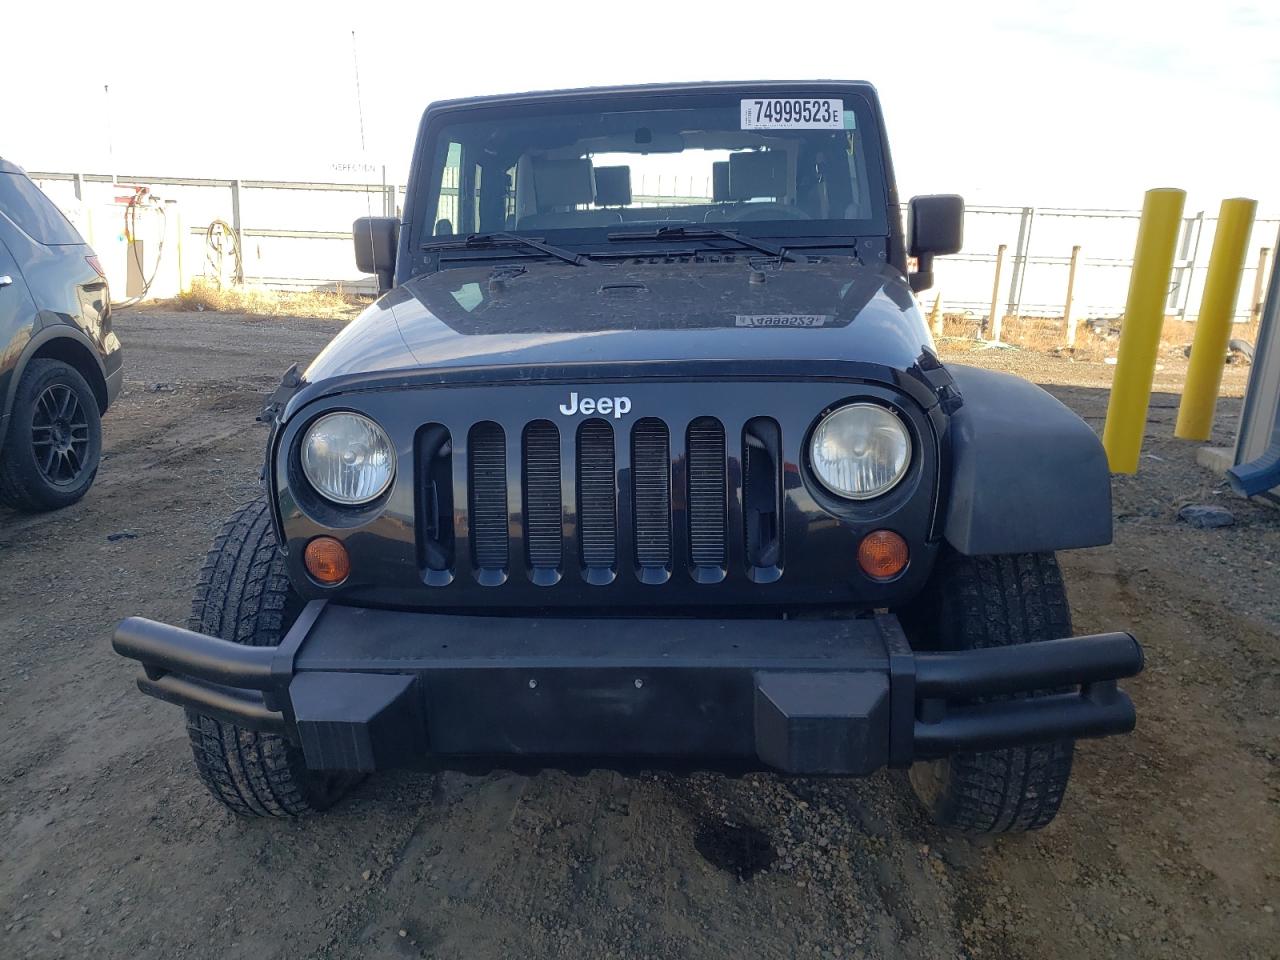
(560, 186)
(613, 186)
(758, 174)
(719, 191)
(748, 175)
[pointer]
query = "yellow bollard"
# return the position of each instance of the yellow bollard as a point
(1213, 325)
(1140, 334)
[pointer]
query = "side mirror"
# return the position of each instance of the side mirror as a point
(376, 239)
(935, 228)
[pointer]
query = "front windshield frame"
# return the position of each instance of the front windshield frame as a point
(425, 193)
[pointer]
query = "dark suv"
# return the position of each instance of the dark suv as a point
(646, 460)
(60, 362)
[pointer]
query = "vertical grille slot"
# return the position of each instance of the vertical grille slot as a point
(762, 493)
(487, 492)
(435, 502)
(707, 493)
(651, 494)
(542, 518)
(597, 496)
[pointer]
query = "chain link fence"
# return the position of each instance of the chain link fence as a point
(297, 234)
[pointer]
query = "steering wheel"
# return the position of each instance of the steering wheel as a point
(769, 211)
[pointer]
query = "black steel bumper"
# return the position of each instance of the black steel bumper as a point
(362, 689)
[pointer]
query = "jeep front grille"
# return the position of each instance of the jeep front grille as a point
(610, 498)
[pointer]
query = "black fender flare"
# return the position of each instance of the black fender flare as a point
(47, 333)
(1027, 474)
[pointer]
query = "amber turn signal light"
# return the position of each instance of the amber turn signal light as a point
(883, 554)
(327, 561)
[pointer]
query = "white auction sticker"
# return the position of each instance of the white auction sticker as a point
(794, 113)
(782, 320)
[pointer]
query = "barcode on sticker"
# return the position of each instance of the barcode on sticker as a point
(782, 320)
(794, 113)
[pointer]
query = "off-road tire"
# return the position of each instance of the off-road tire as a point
(23, 484)
(244, 595)
(974, 602)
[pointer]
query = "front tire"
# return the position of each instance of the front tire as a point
(244, 595)
(53, 445)
(975, 602)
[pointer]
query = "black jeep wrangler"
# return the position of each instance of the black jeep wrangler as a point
(645, 460)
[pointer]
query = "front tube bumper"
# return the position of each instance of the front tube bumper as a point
(360, 689)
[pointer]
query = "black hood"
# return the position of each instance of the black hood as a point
(520, 317)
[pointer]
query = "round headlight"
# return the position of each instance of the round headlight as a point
(860, 451)
(348, 458)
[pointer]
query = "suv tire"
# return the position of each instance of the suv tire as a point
(243, 595)
(53, 445)
(974, 602)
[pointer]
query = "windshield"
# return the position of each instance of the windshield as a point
(579, 170)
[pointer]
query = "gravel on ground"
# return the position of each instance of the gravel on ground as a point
(1168, 844)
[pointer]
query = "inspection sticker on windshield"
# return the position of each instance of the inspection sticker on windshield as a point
(782, 320)
(794, 113)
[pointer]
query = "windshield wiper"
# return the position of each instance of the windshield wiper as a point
(706, 233)
(475, 240)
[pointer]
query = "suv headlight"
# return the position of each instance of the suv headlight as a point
(860, 451)
(348, 458)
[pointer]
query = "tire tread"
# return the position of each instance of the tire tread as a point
(992, 602)
(243, 594)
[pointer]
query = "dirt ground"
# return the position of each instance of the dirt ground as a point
(1168, 844)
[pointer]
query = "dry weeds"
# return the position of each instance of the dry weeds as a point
(1096, 340)
(257, 301)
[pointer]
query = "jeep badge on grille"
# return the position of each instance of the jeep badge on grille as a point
(618, 406)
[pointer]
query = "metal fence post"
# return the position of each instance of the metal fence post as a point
(1026, 259)
(181, 251)
(238, 227)
(935, 316)
(1187, 273)
(994, 320)
(1068, 315)
(78, 180)
(1177, 289)
(1259, 282)
(1019, 255)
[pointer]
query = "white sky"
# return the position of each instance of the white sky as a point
(1042, 103)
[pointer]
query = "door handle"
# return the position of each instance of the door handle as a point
(5, 280)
